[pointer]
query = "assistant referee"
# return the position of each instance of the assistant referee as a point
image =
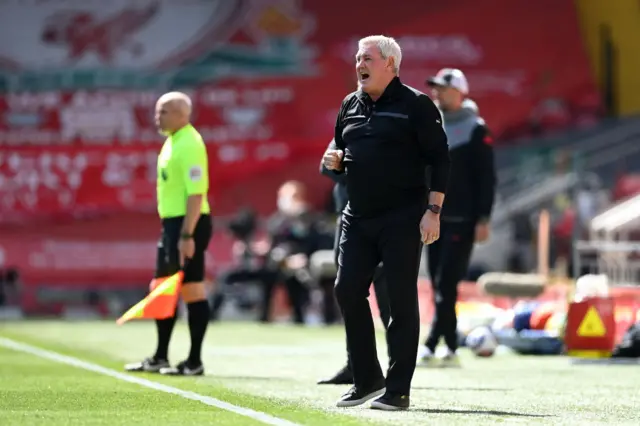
(182, 186)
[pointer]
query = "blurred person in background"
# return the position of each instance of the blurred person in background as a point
(183, 207)
(522, 257)
(465, 217)
(3, 288)
(10, 292)
(9, 287)
(589, 199)
(249, 255)
(293, 236)
(344, 376)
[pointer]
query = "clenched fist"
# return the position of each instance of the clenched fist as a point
(332, 159)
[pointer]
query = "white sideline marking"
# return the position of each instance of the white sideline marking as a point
(75, 362)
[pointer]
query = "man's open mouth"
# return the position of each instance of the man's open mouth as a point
(364, 76)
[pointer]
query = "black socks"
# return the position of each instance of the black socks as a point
(165, 328)
(198, 313)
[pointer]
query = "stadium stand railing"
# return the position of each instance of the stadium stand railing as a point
(613, 248)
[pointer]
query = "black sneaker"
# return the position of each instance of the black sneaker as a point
(359, 395)
(147, 365)
(391, 402)
(342, 377)
(185, 368)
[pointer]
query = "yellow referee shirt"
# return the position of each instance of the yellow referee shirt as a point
(183, 170)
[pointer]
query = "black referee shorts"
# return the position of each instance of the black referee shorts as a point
(168, 259)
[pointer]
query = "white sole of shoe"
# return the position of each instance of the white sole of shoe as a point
(356, 402)
(381, 406)
(138, 369)
(171, 371)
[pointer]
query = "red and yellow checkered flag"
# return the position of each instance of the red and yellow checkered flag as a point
(160, 303)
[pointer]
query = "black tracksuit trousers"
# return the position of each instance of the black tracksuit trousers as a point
(448, 260)
(379, 281)
(393, 238)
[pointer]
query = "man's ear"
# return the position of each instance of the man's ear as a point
(391, 63)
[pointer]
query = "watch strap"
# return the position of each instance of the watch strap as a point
(434, 208)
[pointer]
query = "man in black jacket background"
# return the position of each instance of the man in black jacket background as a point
(466, 214)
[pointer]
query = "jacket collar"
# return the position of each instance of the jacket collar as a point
(389, 92)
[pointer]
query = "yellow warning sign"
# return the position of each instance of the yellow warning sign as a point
(591, 325)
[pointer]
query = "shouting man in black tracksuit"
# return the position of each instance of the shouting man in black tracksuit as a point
(387, 134)
(465, 216)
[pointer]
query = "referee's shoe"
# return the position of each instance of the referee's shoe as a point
(149, 365)
(184, 368)
(162, 366)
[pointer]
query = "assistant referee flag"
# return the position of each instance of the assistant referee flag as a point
(160, 303)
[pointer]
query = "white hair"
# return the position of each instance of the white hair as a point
(181, 99)
(388, 47)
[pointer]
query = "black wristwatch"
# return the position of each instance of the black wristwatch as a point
(185, 236)
(434, 208)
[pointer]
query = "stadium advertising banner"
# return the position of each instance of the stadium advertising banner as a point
(79, 80)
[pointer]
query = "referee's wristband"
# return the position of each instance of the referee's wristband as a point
(186, 236)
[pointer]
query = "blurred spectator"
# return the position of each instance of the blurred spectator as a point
(521, 259)
(249, 255)
(590, 200)
(9, 287)
(3, 296)
(293, 235)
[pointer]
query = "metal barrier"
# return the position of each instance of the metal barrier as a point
(598, 147)
(616, 222)
(609, 250)
(619, 261)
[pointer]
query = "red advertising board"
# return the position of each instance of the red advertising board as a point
(273, 69)
(77, 181)
(266, 77)
(265, 92)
